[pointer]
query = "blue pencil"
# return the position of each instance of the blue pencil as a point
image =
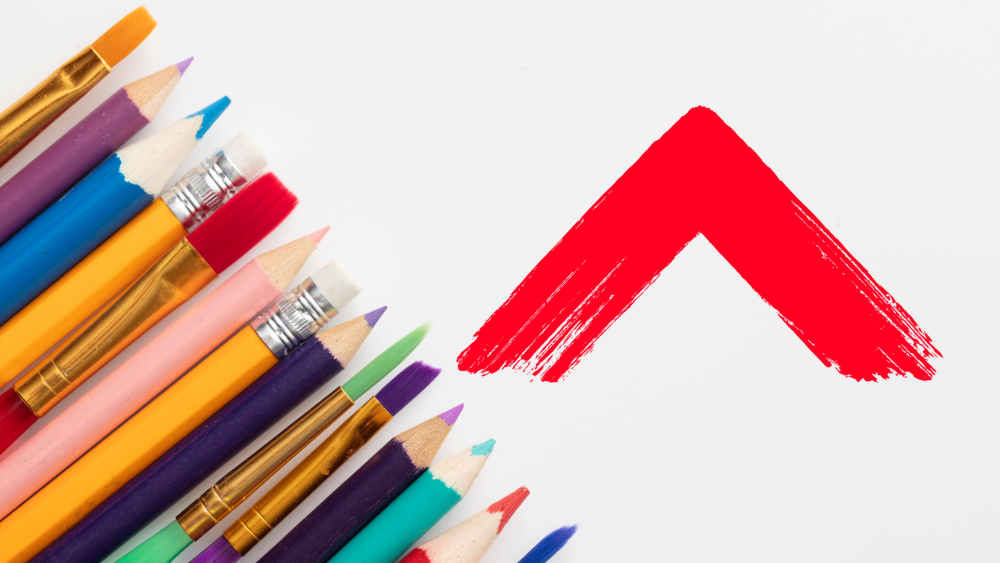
(96, 207)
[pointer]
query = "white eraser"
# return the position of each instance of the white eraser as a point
(247, 157)
(337, 284)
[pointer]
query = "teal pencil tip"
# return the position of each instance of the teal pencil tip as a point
(210, 114)
(485, 448)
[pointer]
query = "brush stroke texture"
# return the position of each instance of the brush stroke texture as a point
(700, 178)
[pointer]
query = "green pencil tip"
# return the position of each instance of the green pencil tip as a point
(485, 448)
(163, 547)
(385, 362)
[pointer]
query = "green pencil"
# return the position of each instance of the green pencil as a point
(417, 509)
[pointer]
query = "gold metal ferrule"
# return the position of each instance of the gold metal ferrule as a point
(280, 501)
(38, 108)
(174, 279)
(241, 482)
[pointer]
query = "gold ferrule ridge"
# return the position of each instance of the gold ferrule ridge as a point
(241, 482)
(281, 500)
(171, 281)
(31, 114)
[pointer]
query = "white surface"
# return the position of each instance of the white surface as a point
(337, 284)
(451, 144)
(245, 154)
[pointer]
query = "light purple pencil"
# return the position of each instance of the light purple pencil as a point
(83, 147)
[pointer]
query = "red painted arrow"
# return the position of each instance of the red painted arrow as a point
(700, 177)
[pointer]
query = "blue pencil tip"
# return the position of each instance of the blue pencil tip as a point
(549, 545)
(209, 115)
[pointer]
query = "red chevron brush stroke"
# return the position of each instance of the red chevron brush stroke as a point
(700, 177)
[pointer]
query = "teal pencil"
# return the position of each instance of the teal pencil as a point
(417, 509)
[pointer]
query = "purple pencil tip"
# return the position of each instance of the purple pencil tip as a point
(406, 386)
(450, 416)
(373, 317)
(183, 65)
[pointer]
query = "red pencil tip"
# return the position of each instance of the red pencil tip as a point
(508, 506)
(318, 235)
(15, 418)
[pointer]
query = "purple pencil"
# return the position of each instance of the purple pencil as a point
(83, 147)
(364, 494)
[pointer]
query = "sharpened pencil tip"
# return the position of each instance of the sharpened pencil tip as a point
(183, 65)
(210, 114)
(373, 317)
(318, 235)
(486, 448)
(451, 415)
(508, 505)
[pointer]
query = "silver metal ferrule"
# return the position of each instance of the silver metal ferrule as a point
(293, 318)
(203, 190)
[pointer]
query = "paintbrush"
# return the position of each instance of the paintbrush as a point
(158, 364)
(38, 108)
(416, 509)
(183, 271)
(364, 494)
(83, 147)
(216, 381)
(227, 494)
(118, 261)
(469, 541)
(351, 436)
(549, 545)
(96, 207)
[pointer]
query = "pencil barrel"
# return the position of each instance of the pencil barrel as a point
(171, 281)
(39, 107)
(281, 500)
(241, 482)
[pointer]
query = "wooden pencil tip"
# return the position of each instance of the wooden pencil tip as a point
(508, 505)
(318, 235)
(124, 36)
(183, 65)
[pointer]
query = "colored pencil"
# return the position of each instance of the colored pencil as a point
(230, 430)
(228, 493)
(83, 147)
(549, 546)
(158, 364)
(360, 498)
(183, 271)
(469, 541)
(118, 261)
(93, 209)
(351, 436)
(416, 509)
(30, 115)
(159, 426)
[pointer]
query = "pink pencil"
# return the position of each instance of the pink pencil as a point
(153, 368)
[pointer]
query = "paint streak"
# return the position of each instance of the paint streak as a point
(700, 178)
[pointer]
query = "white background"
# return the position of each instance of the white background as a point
(450, 145)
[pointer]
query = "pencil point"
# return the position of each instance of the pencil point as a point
(373, 317)
(451, 415)
(183, 65)
(508, 505)
(210, 114)
(318, 235)
(486, 448)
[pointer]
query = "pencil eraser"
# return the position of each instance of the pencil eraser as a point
(337, 284)
(247, 157)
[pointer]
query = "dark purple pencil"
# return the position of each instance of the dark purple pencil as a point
(329, 456)
(364, 494)
(83, 147)
(205, 450)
